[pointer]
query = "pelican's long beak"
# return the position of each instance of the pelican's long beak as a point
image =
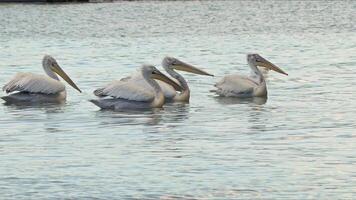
(58, 70)
(260, 61)
(179, 65)
(159, 76)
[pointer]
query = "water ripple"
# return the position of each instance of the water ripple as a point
(296, 144)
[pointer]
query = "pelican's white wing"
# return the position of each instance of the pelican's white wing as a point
(125, 90)
(137, 78)
(235, 85)
(133, 77)
(33, 83)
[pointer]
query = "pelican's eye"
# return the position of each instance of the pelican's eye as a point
(175, 62)
(258, 59)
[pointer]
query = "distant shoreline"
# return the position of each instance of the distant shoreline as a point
(77, 1)
(57, 1)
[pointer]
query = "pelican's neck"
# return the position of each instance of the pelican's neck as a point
(49, 72)
(256, 74)
(154, 84)
(159, 97)
(185, 94)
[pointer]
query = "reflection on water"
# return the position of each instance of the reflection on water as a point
(171, 113)
(211, 148)
(257, 116)
(50, 109)
(176, 112)
(128, 117)
(233, 100)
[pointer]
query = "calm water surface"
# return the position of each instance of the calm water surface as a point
(297, 144)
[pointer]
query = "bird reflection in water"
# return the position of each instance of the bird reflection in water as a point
(47, 107)
(174, 112)
(247, 100)
(257, 115)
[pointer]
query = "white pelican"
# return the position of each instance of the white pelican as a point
(243, 86)
(34, 88)
(126, 95)
(171, 64)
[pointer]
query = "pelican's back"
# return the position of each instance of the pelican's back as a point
(125, 90)
(33, 83)
(235, 85)
(137, 78)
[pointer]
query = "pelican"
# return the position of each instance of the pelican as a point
(171, 64)
(127, 95)
(34, 88)
(243, 86)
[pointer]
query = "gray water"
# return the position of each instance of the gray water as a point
(297, 144)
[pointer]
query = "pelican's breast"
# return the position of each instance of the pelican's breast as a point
(168, 90)
(158, 101)
(182, 97)
(260, 90)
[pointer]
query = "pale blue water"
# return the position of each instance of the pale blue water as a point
(299, 144)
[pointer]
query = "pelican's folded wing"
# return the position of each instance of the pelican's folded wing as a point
(33, 83)
(235, 85)
(133, 77)
(125, 90)
(137, 78)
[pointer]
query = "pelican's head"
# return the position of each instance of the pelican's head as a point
(152, 72)
(174, 63)
(49, 63)
(258, 60)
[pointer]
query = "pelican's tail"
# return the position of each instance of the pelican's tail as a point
(96, 102)
(6, 98)
(104, 103)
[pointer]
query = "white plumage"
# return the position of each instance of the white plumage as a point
(33, 83)
(170, 64)
(236, 85)
(28, 87)
(248, 86)
(128, 94)
(137, 79)
(126, 90)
